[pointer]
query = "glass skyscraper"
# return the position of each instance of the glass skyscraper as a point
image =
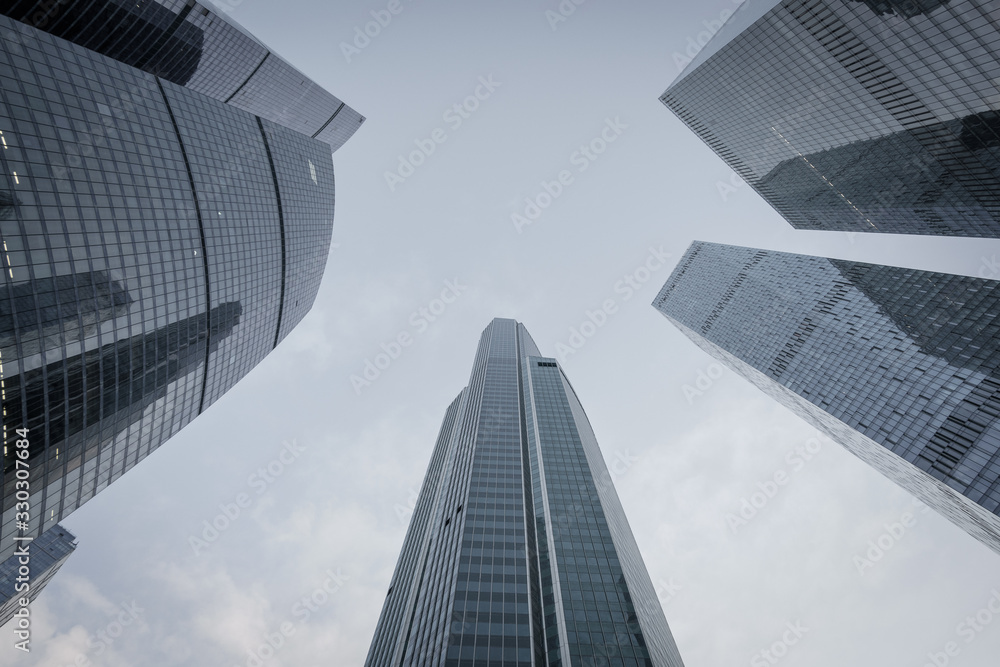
(190, 44)
(874, 116)
(518, 552)
(166, 212)
(900, 366)
(45, 556)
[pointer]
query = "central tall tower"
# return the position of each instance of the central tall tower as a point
(518, 553)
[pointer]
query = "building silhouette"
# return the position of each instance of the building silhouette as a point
(518, 552)
(69, 307)
(900, 366)
(193, 45)
(45, 556)
(856, 116)
(166, 211)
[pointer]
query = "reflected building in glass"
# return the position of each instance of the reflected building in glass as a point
(166, 212)
(518, 551)
(873, 116)
(900, 366)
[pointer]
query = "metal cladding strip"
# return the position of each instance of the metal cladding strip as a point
(247, 80)
(560, 610)
(204, 244)
(535, 616)
(281, 228)
(317, 132)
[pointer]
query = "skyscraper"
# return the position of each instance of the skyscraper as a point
(166, 211)
(44, 558)
(190, 44)
(518, 552)
(900, 366)
(874, 116)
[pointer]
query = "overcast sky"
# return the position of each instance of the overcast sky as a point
(337, 513)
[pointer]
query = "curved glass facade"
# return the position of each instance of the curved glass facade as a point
(305, 181)
(900, 366)
(856, 116)
(518, 553)
(193, 45)
(157, 244)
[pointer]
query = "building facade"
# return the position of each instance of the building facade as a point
(900, 366)
(518, 552)
(45, 556)
(166, 212)
(193, 45)
(874, 116)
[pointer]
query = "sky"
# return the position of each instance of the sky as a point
(298, 576)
